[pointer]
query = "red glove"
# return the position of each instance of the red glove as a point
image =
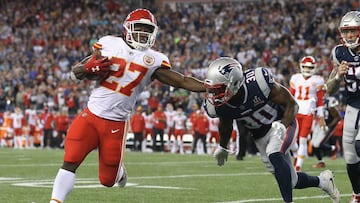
(94, 65)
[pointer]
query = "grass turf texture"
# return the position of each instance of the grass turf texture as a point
(26, 176)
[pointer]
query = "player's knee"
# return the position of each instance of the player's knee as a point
(303, 141)
(357, 147)
(106, 180)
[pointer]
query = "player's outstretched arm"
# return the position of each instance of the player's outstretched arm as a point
(176, 79)
(225, 130)
(280, 95)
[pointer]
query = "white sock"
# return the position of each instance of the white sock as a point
(63, 184)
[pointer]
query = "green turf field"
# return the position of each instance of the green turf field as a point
(26, 176)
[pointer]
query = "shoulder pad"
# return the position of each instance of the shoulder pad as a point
(264, 79)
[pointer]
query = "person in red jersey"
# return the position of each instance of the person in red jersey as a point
(137, 125)
(62, 121)
(192, 118)
(201, 127)
(47, 120)
(159, 127)
(125, 65)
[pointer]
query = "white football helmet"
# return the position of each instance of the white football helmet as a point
(139, 39)
(350, 22)
(223, 80)
(308, 66)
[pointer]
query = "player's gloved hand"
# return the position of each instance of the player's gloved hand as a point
(221, 155)
(97, 64)
(279, 129)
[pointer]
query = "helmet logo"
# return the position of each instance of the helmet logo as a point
(227, 69)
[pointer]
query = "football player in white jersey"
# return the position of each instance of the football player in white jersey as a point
(31, 116)
(170, 114)
(179, 131)
(308, 90)
(347, 71)
(268, 111)
(103, 124)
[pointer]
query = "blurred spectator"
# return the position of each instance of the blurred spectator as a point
(201, 128)
(159, 127)
(47, 119)
(179, 131)
(61, 125)
(137, 125)
(44, 43)
(149, 124)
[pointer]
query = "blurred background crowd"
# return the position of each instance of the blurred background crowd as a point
(41, 39)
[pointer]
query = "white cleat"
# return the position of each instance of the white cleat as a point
(328, 185)
(123, 179)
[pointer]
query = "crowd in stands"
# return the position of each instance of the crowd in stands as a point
(41, 39)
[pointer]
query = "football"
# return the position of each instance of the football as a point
(97, 75)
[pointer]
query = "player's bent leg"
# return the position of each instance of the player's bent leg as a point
(282, 174)
(111, 151)
(353, 171)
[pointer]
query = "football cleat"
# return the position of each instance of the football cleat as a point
(328, 185)
(319, 165)
(123, 179)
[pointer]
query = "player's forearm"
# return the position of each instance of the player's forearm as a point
(290, 112)
(225, 130)
(193, 84)
(332, 85)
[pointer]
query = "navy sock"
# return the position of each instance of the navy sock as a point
(305, 181)
(353, 171)
(317, 153)
(282, 175)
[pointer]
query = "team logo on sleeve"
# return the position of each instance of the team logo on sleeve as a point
(148, 60)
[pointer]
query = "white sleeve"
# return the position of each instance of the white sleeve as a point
(210, 109)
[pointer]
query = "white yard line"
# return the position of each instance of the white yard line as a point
(280, 199)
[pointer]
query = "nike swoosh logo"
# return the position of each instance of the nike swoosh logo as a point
(115, 131)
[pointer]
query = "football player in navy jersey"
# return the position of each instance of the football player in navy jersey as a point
(321, 135)
(268, 111)
(346, 58)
